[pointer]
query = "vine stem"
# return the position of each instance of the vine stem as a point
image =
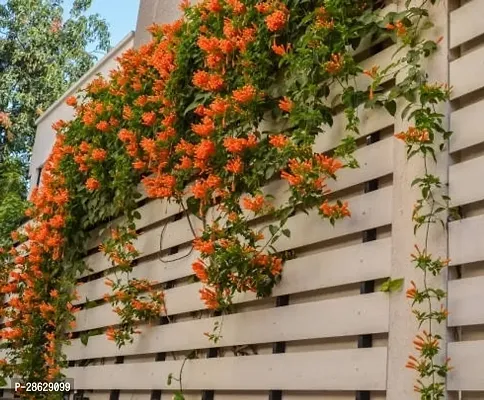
(425, 277)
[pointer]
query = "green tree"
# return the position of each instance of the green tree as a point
(41, 55)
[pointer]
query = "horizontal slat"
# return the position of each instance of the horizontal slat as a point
(154, 270)
(372, 165)
(466, 22)
(370, 121)
(364, 314)
(466, 73)
(468, 362)
(152, 212)
(361, 369)
(464, 244)
(463, 179)
(466, 299)
(179, 232)
(467, 127)
(369, 211)
(351, 264)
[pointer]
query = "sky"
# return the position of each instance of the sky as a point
(120, 15)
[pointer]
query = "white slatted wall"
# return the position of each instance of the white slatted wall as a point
(466, 185)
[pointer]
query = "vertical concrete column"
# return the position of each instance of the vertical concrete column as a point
(154, 11)
(403, 326)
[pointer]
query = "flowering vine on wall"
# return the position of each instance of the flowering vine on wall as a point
(192, 116)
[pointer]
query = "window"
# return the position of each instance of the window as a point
(39, 175)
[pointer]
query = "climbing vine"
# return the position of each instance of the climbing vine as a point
(229, 98)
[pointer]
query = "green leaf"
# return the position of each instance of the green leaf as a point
(193, 205)
(270, 172)
(391, 107)
(273, 229)
(392, 285)
(286, 232)
(84, 338)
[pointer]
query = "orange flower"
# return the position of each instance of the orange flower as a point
(276, 21)
(57, 222)
(226, 46)
(199, 189)
(372, 72)
(213, 6)
(148, 118)
(185, 163)
(411, 292)
(71, 101)
(206, 128)
(127, 113)
(111, 333)
(255, 204)
(200, 271)
(235, 145)
(209, 45)
(335, 210)
(401, 29)
(285, 104)
(235, 165)
(245, 94)
(292, 179)
(412, 363)
(204, 149)
(92, 184)
(203, 246)
(263, 8)
(99, 154)
(208, 82)
(237, 6)
(219, 106)
(335, 64)
(210, 298)
(103, 126)
(280, 50)
(414, 135)
(329, 164)
(278, 141)
(109, 282)
(139, 164)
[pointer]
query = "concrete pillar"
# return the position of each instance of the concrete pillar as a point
(154, 11)
(403, 326)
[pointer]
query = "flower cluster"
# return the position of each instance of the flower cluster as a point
(134, 301)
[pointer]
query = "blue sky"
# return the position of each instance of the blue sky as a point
(120, 15)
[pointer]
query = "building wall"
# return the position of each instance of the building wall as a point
(155, 11)
(45, 135)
